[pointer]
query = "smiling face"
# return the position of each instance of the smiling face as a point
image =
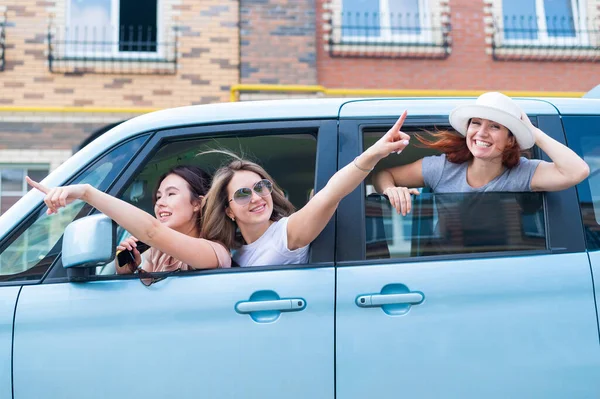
(258, 210)
(487, 139)
(174, 206)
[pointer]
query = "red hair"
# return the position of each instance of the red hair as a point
(455, 147)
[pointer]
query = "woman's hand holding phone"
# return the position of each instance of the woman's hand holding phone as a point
(128, 253)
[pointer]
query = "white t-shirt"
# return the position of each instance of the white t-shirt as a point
(271, 249)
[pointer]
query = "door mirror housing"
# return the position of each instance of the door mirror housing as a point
(89, 242)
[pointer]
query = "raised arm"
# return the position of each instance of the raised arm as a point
(307, 223)
(195, 252)
(566, 169)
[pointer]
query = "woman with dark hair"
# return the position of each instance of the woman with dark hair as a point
(484, 156)
(174, 235)
(243, 197)
(177, 198)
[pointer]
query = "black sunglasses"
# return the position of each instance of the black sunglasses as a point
(242, 196)
(148, 278)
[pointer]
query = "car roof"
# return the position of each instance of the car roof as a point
(426, 107)
(323, 108)
(576, 106)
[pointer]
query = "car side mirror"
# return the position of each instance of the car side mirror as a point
(89, 242)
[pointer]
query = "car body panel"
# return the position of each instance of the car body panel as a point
(487, 328)
(180, 337)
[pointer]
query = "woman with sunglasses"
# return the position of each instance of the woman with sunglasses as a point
(172, 241)
(244, 197)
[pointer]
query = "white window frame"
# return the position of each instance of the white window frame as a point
(114, 50)
(579, 10)
(385, 26)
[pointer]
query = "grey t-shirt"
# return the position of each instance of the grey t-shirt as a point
(443, 176)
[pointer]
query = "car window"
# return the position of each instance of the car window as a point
(29, 255)
(456, 223)
(583, 138)
(289, 159)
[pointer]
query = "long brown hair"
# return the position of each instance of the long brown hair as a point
(454, 145)
(198, 182)
(216, 225)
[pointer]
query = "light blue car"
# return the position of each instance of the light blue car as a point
(500, 303)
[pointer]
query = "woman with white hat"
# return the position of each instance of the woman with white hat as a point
(484, 156)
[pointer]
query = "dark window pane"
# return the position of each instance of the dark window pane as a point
(138, 25)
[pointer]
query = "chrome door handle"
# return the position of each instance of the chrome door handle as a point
(281, 305)
(369, 301)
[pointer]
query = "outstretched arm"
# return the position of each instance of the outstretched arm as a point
(306, 224)
(196, 252)
(566, 169)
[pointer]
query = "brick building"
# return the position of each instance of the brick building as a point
(527, 46)
(509, 45)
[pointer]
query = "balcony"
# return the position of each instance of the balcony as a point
(124, 50)
(378, 35)
(526, 38)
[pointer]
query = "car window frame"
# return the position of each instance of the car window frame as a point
(322, 251)
(564, 234)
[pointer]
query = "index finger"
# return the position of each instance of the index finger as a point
(37, 185)
(400, 121)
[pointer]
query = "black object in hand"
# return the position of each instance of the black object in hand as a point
(126, 256)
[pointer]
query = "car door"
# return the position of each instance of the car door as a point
(220, 333)
(29, 249)
(497, 302)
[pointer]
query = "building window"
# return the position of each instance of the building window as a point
(385, 20)
(13, 185)
(113, 36)
(388, 28)
(108, 27)
(546, 30)
(545, 21)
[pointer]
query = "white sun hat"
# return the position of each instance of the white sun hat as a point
(498, 108)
